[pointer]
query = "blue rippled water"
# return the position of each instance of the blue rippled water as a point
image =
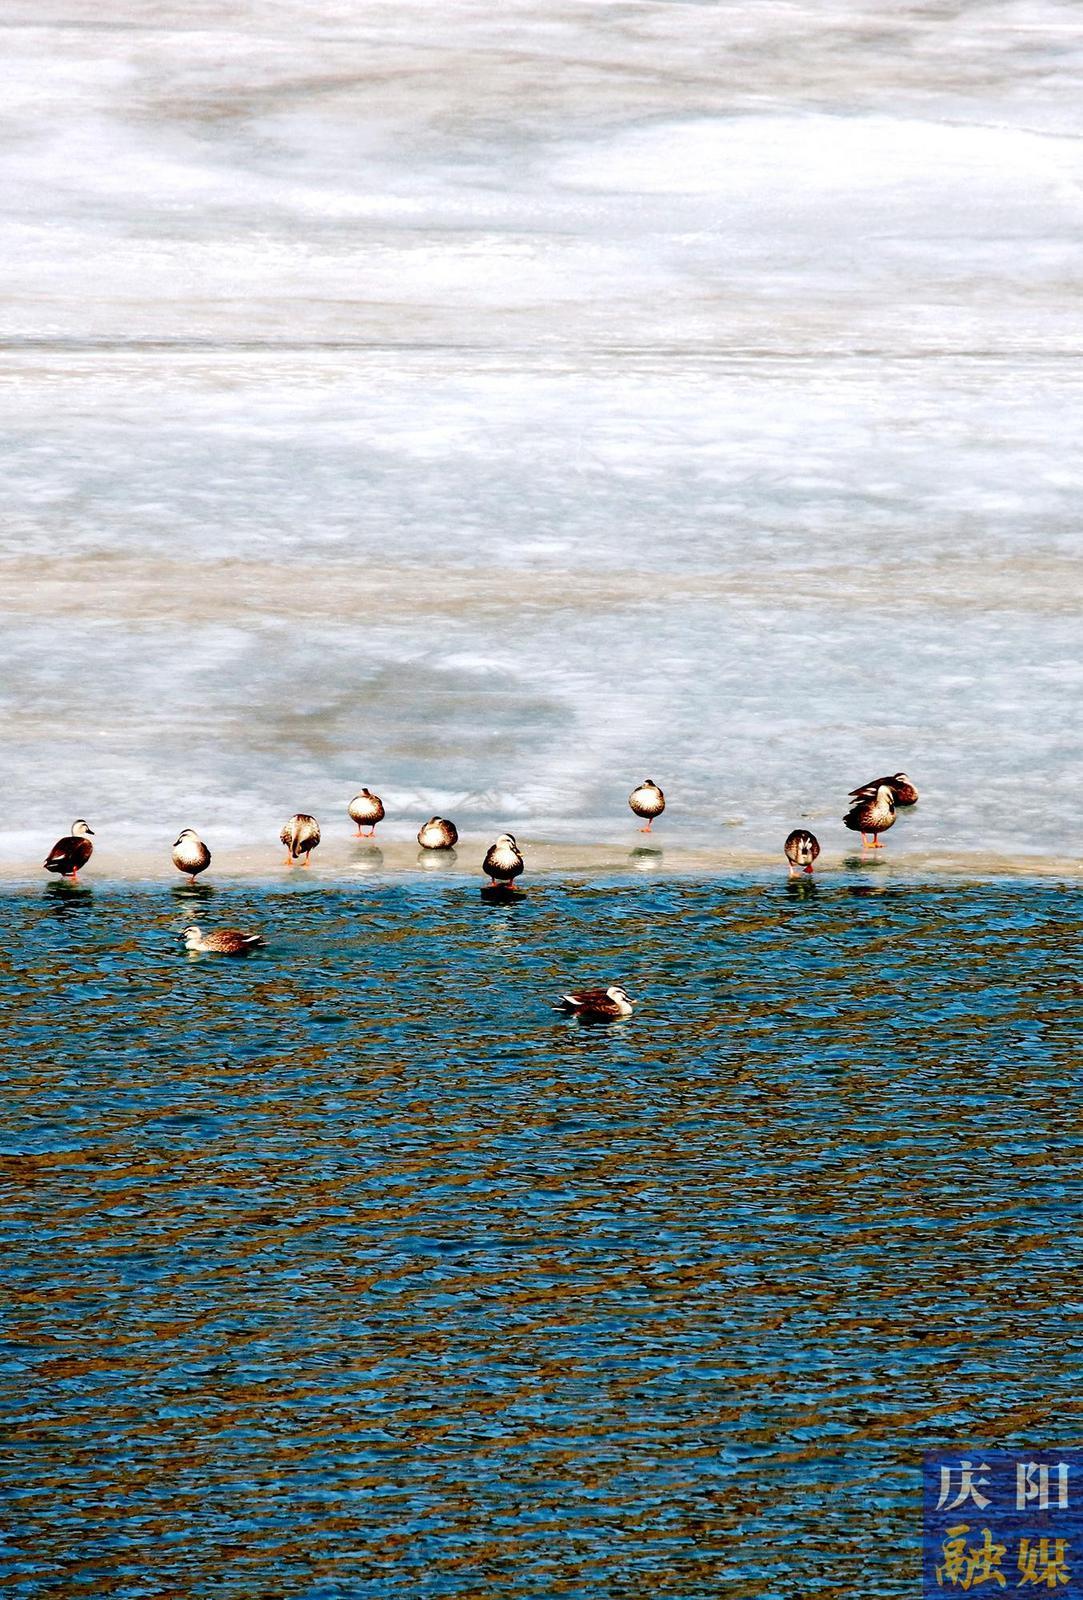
(352, 1270)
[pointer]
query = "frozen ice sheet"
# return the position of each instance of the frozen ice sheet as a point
(495, 409)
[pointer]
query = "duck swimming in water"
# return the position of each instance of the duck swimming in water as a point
(438, 834)
(902, 790)
(598, 1005)
(71, 852)
(190, 854)
(503, 861)
(301, 835)
(647, 801)
(366, 809)
(872, 816)
(802, 848)
(225, 942)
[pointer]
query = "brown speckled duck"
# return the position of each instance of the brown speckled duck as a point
(802, 848)
(301, 835)
(71, 852)
(598, 1005)
(366, 809)
(902, 790)
(223, 942)
(872, 816)
(438, 834)
(190, 854)
(647, 801)
(503, 861)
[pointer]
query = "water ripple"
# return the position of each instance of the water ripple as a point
(352, 1269)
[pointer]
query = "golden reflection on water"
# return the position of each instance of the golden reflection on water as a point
(352, 1268)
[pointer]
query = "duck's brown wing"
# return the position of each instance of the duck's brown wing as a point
(864, 817)
(234, 941)
(69, 854)
(867, 791)
(587, 1000)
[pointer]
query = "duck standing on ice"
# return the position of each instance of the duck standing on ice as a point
(366, 809)
(647, 801)
(190, 854)
(438, 834)
(503, 862)
(71, 852)
(301, 835)
(802, 848)
(872, 816)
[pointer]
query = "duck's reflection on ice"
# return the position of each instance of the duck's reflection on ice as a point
(436, 860)
(864, 863)
(646, 858)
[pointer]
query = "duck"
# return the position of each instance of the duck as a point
(190, 854)
(366, 808)
(647, 801)
(873, 815)
(503, 861)
(301, 835)
(71, 852)
(598, 1005)
(438, 834)
(902, 790)
(802, 848)
(224, 942)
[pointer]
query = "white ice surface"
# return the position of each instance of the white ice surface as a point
(734, 347)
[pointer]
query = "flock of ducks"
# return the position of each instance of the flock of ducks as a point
(872, 813)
